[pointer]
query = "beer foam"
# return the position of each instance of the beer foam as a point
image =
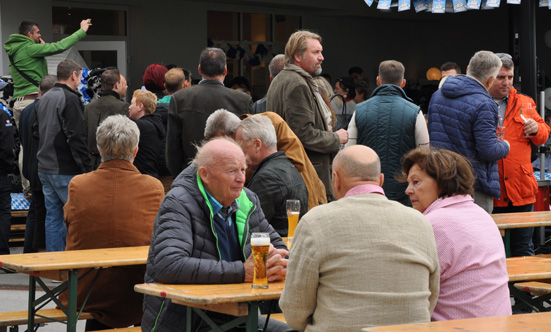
(260, 241)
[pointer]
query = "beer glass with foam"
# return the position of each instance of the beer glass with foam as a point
(260, 245)
(293, 213)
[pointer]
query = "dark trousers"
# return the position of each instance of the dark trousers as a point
(521, 238)
(35, 232)
(5, 214)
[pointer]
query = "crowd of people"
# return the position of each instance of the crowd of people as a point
(395, 225)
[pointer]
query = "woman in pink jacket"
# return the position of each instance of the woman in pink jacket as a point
(473, 273)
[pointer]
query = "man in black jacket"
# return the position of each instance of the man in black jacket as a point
(113, 90)
(62, 151)
(7, 166)
(275, 178)
(190, 108)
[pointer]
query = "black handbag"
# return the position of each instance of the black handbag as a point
(343, 119)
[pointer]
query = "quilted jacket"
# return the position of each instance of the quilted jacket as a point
(184, 247)
(463, 118)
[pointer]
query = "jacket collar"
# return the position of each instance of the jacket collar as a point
(66, 87)
(390, 90)
(266, 160)
(303, 73)
(448, 201)
(109, 93)
(118, 163)
(210, 81)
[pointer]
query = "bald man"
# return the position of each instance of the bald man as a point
(355, 262)
(202, 235)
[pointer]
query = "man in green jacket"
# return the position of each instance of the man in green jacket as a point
(27, 51)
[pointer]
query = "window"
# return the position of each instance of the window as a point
(66, 20)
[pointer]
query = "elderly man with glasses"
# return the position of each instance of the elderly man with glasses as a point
(518, 185)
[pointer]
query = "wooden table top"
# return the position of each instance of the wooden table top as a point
(522, 219)
(525, 323)
(529, 268)
(212, 294)
(75, 259)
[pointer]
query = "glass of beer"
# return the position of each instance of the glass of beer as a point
(260, 244)
(293, 213)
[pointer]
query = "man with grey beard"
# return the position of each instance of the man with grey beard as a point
(295, 97)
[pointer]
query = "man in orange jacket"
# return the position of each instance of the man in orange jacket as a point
(518, 184)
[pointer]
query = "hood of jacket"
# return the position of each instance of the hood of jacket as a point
(461, 85)
(14, 43)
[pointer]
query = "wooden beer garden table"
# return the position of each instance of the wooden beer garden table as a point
(514, 323)
(528, 268)
(239, 300)
(64, 265)
(506, 221)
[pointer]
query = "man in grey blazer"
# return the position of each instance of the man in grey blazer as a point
(190, 108)
(362, 260)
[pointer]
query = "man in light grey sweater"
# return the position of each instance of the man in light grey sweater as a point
(362, 260)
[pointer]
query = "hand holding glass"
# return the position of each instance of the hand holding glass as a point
(260, 245)
(500, 133)
(526, 113)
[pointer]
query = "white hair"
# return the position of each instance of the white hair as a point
(261, 127)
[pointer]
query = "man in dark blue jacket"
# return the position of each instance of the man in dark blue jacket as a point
(463, 118)
(202, 235)
(35, 236)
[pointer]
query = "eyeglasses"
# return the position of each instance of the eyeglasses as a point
(504, 55)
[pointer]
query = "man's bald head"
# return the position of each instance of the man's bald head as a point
(216, 150)
(353, 166)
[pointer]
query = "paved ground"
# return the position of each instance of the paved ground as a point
(14, 296)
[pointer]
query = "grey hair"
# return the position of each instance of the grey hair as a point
(260, 127)
(117, 138)
(221, 122)
(507, 63)
(202, 158)
(276, 65)
(351, 167)
(483, 65)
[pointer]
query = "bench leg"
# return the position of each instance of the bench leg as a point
(252, 318)
(72, 302)
(32, 295)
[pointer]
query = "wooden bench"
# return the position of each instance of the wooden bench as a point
(124, 329)
(278, 316)
(15, 318)
(535, 288)
(19, 213)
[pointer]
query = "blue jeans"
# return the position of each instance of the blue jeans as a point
(55, 189)
(5, 214)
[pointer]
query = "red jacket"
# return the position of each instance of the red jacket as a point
(516, 175)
